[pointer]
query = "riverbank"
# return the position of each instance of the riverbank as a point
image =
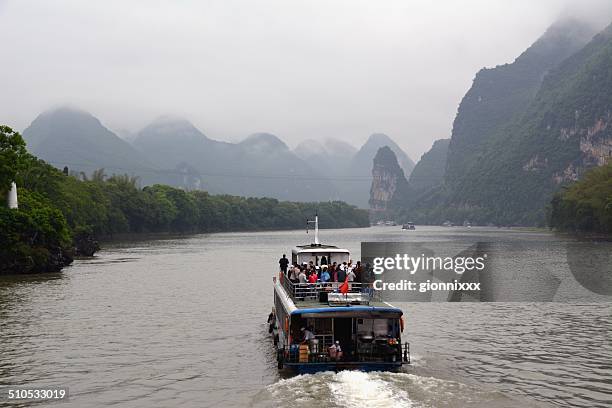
(62, 214)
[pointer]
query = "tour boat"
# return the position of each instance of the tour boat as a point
(351, 315)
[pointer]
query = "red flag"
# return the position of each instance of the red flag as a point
(344, 288)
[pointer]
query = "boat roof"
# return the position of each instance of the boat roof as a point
(314, 306)
(319, 248)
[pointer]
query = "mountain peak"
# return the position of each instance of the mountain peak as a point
(264, 141)
(389, 184)
(70, 136)
(310, 148)
(379, 138)
(64, 120)
(67, 113)
(386, 157)
(339, 147)
(167, 129)
(172, 125)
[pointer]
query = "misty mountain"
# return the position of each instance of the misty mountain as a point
(260, 165)
(173, 142)
(362, 160)
(263, 165)
(359, 177)
(173, 151)
(565, 130)
(390, 189)
(310, 149)
(73, 138)
(498, 94)
(429, 171)
(338, 148)
(333, 155)
(526, 129)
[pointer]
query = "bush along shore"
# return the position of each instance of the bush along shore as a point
(61, 214)
(586, 205)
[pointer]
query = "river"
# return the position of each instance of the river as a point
(181, 322)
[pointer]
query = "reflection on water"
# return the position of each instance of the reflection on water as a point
(181, 321)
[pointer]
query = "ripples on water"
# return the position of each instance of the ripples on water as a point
(180, 322)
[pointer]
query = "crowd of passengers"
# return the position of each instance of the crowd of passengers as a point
(311, 273)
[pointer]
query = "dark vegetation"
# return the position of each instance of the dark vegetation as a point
(523, 132)
(585, 206)
(61, 213)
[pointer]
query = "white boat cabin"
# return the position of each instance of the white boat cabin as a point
(319, 254)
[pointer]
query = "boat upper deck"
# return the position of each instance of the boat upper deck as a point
(324, 297)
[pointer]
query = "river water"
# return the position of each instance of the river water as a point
(181, 322)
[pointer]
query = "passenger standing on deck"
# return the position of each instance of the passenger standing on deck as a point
(358, 272)
(295, 271)
(350, 276)
(312, 278)
(325, 275)
(284, 263)
(342, 273)
(302, 276)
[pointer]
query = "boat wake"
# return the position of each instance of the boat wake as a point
(355, 389)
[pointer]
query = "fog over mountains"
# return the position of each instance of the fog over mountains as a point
(171, 150)
(522, 132)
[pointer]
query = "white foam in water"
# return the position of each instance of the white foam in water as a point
(355, 389)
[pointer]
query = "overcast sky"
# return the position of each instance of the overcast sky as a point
(298, 69)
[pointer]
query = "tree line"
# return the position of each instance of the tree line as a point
(586, 205)
(60, 213)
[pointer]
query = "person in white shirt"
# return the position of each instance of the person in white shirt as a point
(308, 334)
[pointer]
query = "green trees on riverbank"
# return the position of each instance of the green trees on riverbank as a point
(585, 205)
(56, 207)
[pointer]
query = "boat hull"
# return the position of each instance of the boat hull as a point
(312, 368)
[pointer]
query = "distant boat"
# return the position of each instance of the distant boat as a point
(408, 226)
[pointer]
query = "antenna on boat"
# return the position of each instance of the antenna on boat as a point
(316, 228)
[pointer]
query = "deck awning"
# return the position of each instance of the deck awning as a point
(359, 311)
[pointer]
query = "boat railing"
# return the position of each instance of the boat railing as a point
(318, 352)
(357, 291)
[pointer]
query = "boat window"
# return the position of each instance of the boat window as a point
(320, 326)
(375, 327)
